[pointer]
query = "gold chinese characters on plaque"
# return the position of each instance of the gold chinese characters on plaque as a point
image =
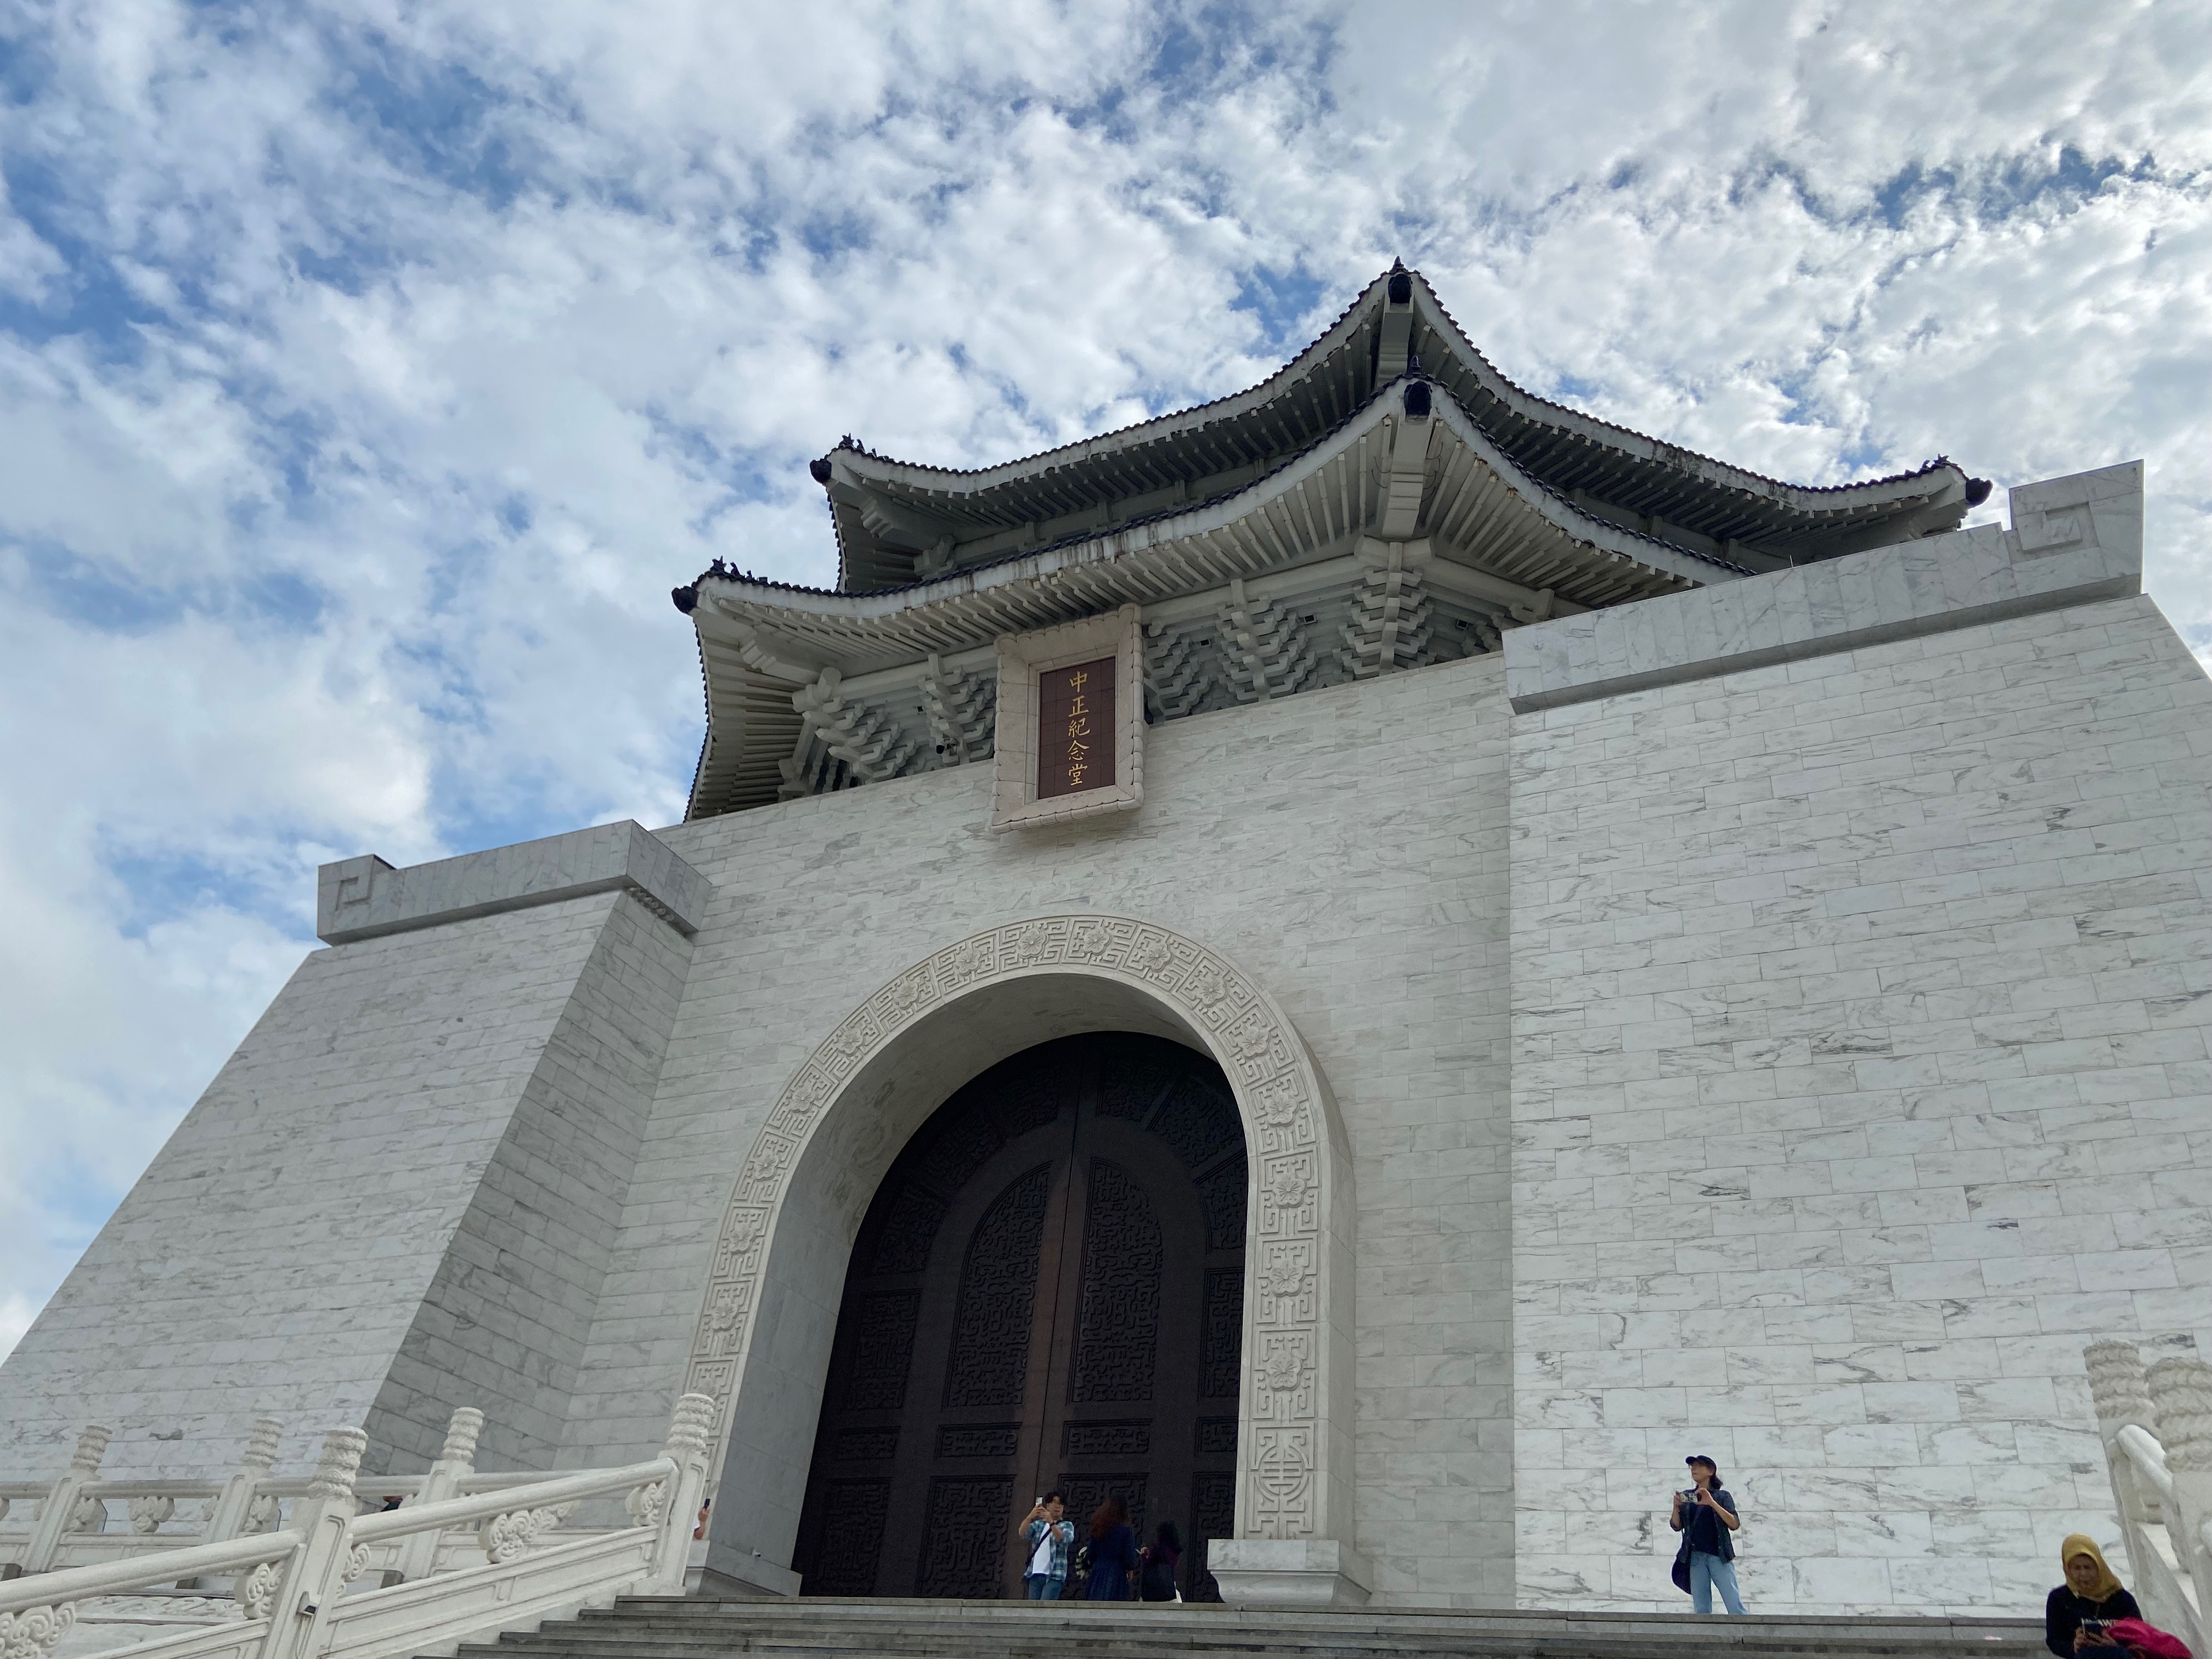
(1075, 728)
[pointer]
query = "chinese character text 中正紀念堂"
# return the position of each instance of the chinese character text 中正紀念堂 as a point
(1075, 727)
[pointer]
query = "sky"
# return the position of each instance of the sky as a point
(371, 369)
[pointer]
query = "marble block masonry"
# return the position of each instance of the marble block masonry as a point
(1761, 1014)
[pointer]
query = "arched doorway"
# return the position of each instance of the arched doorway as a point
(1046, 1291)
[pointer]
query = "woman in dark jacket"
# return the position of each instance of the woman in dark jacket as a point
(1156, 1581)
(1112, 1552)
(2092, 1593)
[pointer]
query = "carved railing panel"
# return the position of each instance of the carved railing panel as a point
(296, 1594)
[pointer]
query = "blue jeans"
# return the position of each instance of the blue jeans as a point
(1706, 1571)
(1042, 1589)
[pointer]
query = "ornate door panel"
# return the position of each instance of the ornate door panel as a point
(1047, 1291)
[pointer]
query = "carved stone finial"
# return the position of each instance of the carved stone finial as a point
(91, 1446)
(2116, 1382)
(693, 1422)
(261, 1445)
(340, 1464)
(2181, 1395)
(461, 1432)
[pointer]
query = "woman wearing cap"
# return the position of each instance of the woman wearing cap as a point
(2075, 1616)
(1706, 1516)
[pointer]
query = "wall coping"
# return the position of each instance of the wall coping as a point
(365, 898)
(2073, 540)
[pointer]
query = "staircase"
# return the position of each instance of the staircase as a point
(671, 1628)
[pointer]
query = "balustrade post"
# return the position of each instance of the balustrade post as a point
(673, 1505)
(2122, 1402)
(2181, 1397)
(65, 1509)
(231, 1516)
(234, 1513)
(419, 1554)
(328, 1561)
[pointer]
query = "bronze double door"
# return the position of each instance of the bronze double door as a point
(1047, 1292)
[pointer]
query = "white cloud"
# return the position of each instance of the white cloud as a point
(369, 372)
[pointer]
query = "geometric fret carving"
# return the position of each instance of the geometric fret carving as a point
(1222, 1194)
(853, 1542)
(1198, 1122)
(883, 1351)
(1107, 1439)
(902, 1246)
(979, 1440)
(997, 1296)
(877, 1445)
(963, 1147)
(963, 1546)
(1223, 1343)
(1118, 1338)
(1213, 1515)
(1286, 1384)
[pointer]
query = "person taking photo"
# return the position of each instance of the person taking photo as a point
(1705, 1515)
(1047, 1534)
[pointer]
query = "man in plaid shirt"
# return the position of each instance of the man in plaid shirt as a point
(1048, 1536)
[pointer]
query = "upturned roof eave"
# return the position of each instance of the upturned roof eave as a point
(1818, 501)
(944, 480)
(978, 583)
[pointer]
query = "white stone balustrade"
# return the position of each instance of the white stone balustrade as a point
(308, 1590)
(2156, 1426)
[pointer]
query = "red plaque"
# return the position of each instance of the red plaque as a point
(1075, 728)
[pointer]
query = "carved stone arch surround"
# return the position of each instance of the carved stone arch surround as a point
(1294, 1440)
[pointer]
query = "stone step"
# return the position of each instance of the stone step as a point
(810, 1628)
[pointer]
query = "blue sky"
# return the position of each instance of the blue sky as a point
(370, 372)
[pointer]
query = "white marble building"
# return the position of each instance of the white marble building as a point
(1699, 964)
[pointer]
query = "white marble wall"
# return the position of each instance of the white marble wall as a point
(1345, 846)
(503, 1322)
(1859, 1077)
(394, 1198)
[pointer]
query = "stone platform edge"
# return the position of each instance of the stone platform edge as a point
(365, 898)
(2073, 540)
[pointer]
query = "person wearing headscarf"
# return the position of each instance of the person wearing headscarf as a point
(2075, 1613)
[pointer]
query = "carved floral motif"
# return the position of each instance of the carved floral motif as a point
(1283, 1274)
(256, 1591)
(647, 1504)
(1284, 1120)
(34, 1632)
(511, 1536)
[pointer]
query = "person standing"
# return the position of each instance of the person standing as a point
(1156, 1581)
(1047, 1535)
(1705, 1515)
(2076, 1613)
(1113, 1553)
